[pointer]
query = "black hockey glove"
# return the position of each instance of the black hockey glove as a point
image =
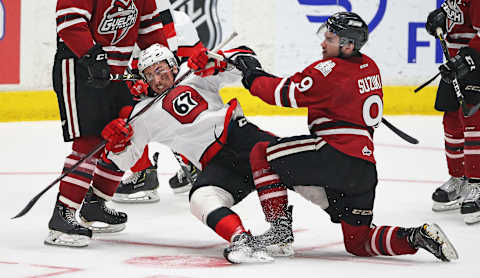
(248, 64)
(436, 19)
(98, 70)
(467, 60)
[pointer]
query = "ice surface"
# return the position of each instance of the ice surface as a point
(164, 240)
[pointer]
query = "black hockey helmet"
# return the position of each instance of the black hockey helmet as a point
(350, 27)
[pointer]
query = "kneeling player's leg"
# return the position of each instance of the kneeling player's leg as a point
(271, 191)
(363, 239)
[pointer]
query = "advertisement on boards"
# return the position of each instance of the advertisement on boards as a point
(9, 42)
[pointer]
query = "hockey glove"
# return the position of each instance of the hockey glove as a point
(118, 134)
(246, 61)
(96, 63)
(436, 19)
(204, 66)
(467, 60)
(137, 88)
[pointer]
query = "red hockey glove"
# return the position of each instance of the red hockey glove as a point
(198, 60)
(138, 88)
(204, 66)
(118, 134)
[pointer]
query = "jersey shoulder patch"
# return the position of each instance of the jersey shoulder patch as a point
(325, 67)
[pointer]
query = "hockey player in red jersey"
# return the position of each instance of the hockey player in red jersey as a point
(460, 22)
(334, 166)
(95, 39)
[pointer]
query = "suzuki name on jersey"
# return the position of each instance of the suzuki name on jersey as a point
(369, 83)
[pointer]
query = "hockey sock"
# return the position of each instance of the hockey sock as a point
(225, 223)
(472, 146)
(454, 143)
(106, 179)
(143, 162)
(271, 191)
(75, 185)
(376, 241)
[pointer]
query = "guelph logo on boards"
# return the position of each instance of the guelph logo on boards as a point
(118, 19)
(205, 17)
(454, 13)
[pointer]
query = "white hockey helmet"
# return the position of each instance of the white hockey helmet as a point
(154, 54)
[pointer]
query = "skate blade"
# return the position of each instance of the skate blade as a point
(182, 189)
(238, 257)
(102, 228)
(57, 238)
(448, 249)
(453, 205)
(281, 250)
(471, 218)
(150, 196)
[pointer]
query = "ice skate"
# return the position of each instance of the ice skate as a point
(278, 240)
(431, 238)
(245, 249)
(95, 215)
(64, 230)
(182, 181)
(140, 187)
(449, 195)
(471, 204)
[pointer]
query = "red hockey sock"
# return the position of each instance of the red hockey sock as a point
(377, 241)
(271, 191)
(454, 143)
(106, 179)
(225, 223)
(74, 186)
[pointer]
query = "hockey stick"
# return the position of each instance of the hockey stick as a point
(102, 144)
(400, 133)
(125, 77)
(426, 83)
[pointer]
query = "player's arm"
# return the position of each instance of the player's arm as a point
(289, 91)
(72, 19)
(156, 25)
(187, 37)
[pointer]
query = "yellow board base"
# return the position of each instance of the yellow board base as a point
(42, 105)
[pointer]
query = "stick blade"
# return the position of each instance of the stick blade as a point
(27, 207)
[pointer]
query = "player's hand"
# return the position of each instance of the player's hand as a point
(137, 88)
(96, 63)
(436, 19)
(204, 65)
(466, 61)
(118, 134)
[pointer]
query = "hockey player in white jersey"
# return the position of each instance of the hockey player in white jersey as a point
(193, 120)
(142, 186)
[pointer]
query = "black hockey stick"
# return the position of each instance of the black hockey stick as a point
(125, 77)
(400, 133)
(426, 83)
(102, 144)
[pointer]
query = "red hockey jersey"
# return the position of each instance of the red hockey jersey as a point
(116, 25)
(343, 97)
(463, 24)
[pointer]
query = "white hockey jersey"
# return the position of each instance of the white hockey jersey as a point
(191, 119)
